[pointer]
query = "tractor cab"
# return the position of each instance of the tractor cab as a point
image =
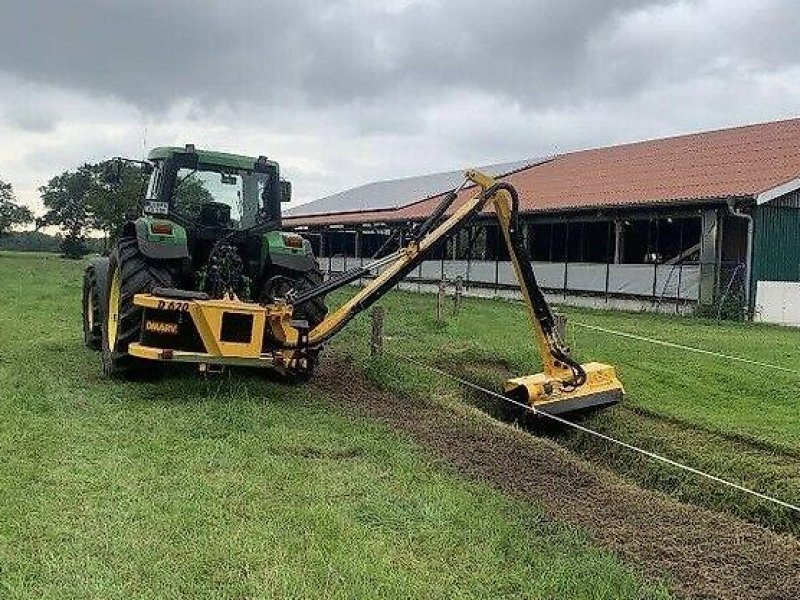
(217, 196)
(243, 190)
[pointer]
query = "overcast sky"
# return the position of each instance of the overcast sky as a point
(341, 93)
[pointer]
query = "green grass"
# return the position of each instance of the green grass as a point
(238, 487)
(732, 419)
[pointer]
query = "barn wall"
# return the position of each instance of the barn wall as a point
(776, 249)
(776, 261)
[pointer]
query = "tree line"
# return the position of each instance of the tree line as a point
(81, 201)
(76, 202)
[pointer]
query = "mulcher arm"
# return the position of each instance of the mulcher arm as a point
(564, 385)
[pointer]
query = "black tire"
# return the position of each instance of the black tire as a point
(137, 275)
(275, 286)
(94, 285)
(313, 312)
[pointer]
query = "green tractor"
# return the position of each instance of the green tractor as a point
(210, 229)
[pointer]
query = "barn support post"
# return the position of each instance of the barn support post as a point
(655, 255)
(680, 268)
(566, 262)
(608, 258)
(710, 248)
(358, 243)
(619, 241)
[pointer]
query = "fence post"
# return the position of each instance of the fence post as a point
(496, 276)
(440, 298)
(655, 282)
(457, 296)
(376, 342)
(561, 326)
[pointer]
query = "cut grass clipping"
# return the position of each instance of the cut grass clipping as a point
(734, 420)
(237, 487)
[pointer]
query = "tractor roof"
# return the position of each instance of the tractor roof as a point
(208, 157)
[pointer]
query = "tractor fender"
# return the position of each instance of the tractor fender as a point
(302, 263)
(160, 247)
(278, 254)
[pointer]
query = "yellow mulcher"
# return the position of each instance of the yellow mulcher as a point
(179, 325)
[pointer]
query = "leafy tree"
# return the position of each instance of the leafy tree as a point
(11, 213)
(191, 195)
(65, 197)
(109, 203)
(85, 199)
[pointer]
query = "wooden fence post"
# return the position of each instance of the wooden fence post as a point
(561, 325)
(440, 299)
(376, 342)
(457, 296)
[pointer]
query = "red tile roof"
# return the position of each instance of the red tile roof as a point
(737, 162)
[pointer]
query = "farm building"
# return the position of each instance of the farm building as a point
(707, 221)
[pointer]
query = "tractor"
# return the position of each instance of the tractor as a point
(210, 228)
(206, 276)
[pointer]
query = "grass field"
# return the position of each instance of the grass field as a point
(735, 420)
(240, 487)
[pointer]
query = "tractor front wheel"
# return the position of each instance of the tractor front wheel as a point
(313, 311)
(277, 286)
(129, 273)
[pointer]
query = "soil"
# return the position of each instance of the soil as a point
(703, 554)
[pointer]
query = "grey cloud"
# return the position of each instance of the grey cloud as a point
(153, 54)
(31, 119)
(344, 91)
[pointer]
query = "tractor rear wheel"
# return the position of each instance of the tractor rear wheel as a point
(129, 273)
(94, 287)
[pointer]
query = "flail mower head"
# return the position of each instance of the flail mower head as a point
(545, 393)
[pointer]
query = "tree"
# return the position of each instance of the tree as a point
(109, 204)
(191, 195)
(11, 213)
(65, 197)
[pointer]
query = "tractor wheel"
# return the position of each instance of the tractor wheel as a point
(278, 285)
(94, 286)
(129, 273)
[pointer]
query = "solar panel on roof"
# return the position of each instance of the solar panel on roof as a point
(394, 193)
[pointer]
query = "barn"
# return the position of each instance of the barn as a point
(706, 222)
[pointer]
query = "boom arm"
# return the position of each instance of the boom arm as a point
(503, 198)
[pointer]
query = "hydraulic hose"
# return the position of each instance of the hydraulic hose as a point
(541, 308)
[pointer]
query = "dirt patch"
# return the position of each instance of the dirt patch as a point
(705, 554)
